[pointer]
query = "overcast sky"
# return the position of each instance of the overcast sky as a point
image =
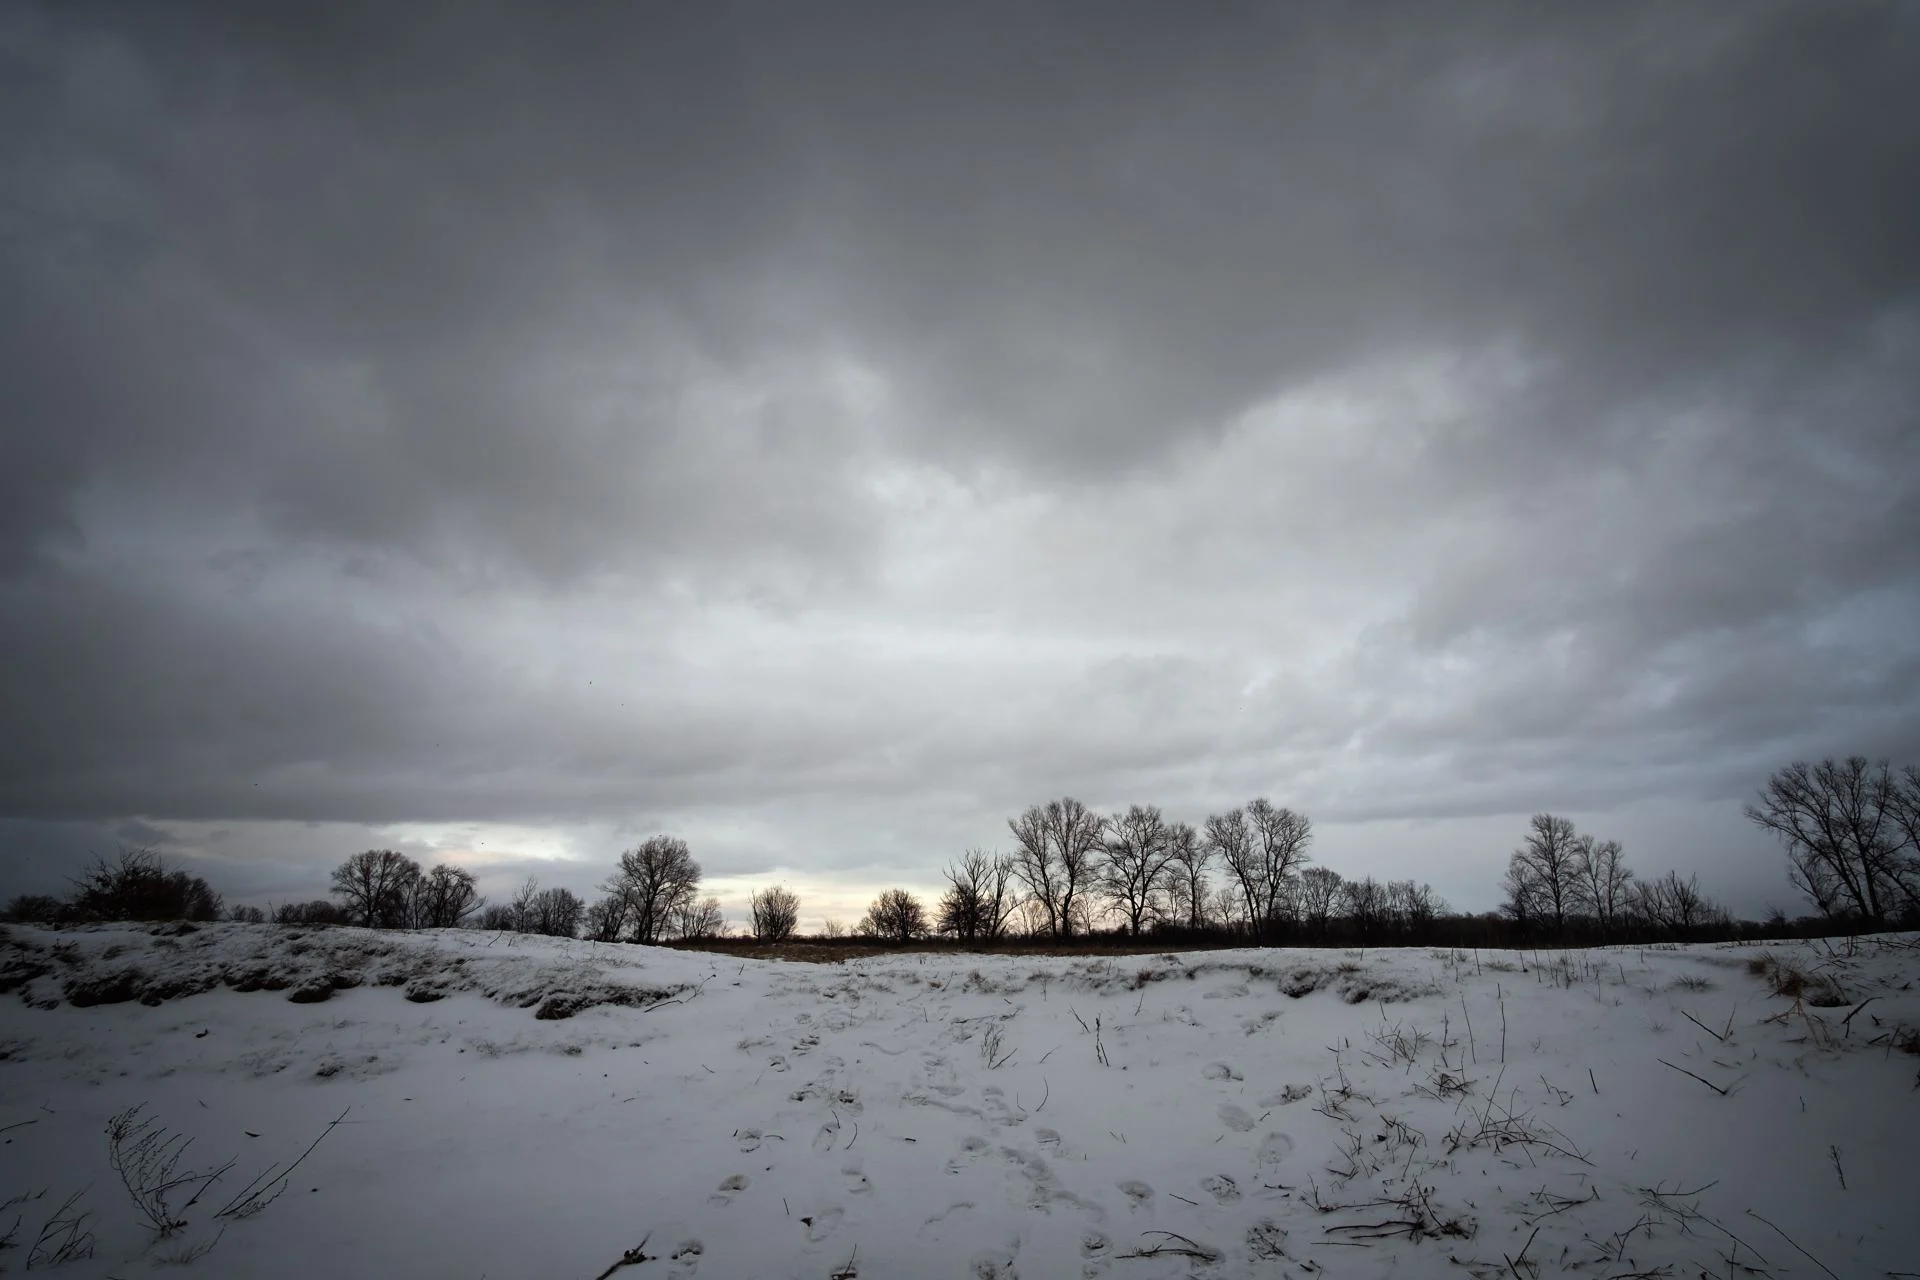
(505, 431)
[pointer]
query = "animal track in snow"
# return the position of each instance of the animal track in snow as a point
(1219, 1071)
(992, 1264)
(828, 1138)
(857, 1182)
(822, 1224)
(1236, 1118)
(958, 1206)
(1223, 1189)
(1287, 1096)
(1138, 1193)
(749, 1139)
(1274, 1148)
(729, 1187)
(685, 1259)
(970, 1148)
(1265, 1239)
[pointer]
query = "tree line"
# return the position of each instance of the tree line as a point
(1851, 829)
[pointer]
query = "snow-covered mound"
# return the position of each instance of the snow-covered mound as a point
(1617, 1112)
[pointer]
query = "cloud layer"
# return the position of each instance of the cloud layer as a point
(831, 429)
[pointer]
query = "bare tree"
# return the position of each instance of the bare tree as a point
(1055, 845)
(1281, 836)
(895, 915)
(1675, 904)
(444, 898)
(555, 913)
(702, 919)
(652, 884)
(605, 919)
(1226, 908)
(1905, 860)
(1033, 866)
(1411, 906)
(1541, 876)
(1601, 880)
(1187, 859)
(1135, 853)
(1264, 847)
(522, 906)
(376, 887)
(979, 899)
(1521, 902)
(1317, 897)
(318, 911)
(1229, 836)
(140, 885)
(1364, 903)
(1847, 847)
(776, 913)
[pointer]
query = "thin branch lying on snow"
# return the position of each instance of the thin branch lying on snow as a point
(631, 1258)
(1187, 1248)
(1688, 1214)
(1702, 1079)
(266, 1188)
(1790, 1240)
(1703, 1026)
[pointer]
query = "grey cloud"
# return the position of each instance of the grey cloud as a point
(1411, 412)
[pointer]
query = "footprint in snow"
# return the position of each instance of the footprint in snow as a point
(1095, 1249)
(749, 1139)
(821, 1225)
(949, 1090)
(1274, 1148)
(685, 1259)
(1266, 1240)
(970, 1149)
(958, 1206)
(992, 1264)
(1219, 1071)
(857, 1182)
(1236, 1118)
(827, 1139)
(729, 1187)
(1287, 1096)
(1138, 1193)
(1223, 1189)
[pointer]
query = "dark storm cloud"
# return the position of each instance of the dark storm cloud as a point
(377, 376)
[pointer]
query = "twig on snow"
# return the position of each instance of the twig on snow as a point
(266, 1188)
(1790, 1240)
(631, 1258)
(1188, 1248)
(1702, 1079)
(1703, 1026)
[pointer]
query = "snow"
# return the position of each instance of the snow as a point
(1210, 1114)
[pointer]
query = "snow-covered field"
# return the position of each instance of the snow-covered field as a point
(517, 1107)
